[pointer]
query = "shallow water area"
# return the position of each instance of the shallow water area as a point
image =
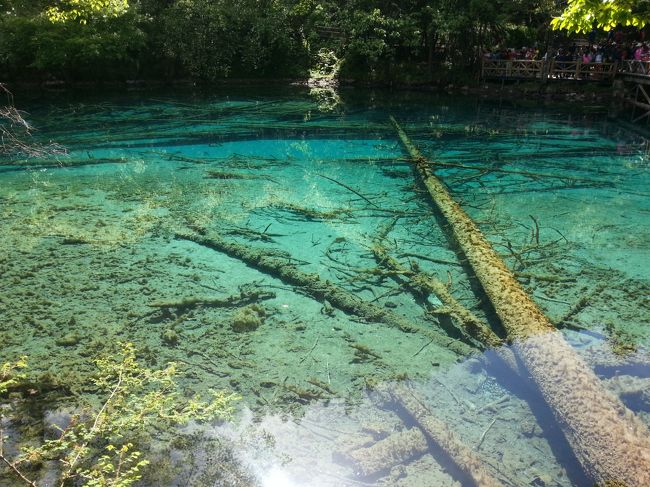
(244, 237)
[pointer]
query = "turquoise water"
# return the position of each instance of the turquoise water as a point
(91, 255)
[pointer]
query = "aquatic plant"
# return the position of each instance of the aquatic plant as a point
(248, 318)
(11, 375)
(98, 447)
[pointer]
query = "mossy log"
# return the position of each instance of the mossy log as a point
(396, 449)
(234, 301)
(608, 363)
(611, 443)
(439, 433)
(322, 290)
(400, 448)
(429, 284)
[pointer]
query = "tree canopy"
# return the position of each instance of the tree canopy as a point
(82, 10)
(206, 40)
(585, 15)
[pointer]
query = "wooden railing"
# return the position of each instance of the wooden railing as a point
(493, 68)
(641, 68)
(552, 69)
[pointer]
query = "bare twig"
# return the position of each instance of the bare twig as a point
(349, 189)
(14, 129)
(480, 441)
(92, 430)
(422, 348)
(15, 470)
(310, 350)
(491, 405)
(451, 393)
(5, 460)
(536, 230)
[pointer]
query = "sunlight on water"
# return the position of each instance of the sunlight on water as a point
(288, 252)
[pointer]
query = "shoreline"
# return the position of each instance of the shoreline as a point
(586, 97)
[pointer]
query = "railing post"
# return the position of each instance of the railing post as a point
(579, 69)
(544, 70)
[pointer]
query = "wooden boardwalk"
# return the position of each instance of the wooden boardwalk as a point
(547, 70)
(634, 75)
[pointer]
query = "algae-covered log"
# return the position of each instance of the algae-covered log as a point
(439, 433)
(428, 284)
(320, 289)
(396, 449)
(612, 444)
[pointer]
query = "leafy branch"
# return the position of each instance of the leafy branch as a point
(83, 10)
(97, 448)
(584, 15)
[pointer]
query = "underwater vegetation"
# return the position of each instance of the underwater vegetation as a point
(459, 296)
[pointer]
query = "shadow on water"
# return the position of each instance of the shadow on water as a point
(526, 390)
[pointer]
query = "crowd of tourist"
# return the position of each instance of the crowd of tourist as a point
(606, 52)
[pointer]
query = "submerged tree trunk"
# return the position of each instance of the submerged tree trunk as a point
(612, 444)
(440, 434)
(322, 290)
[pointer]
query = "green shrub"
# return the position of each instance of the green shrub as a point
(98, 447)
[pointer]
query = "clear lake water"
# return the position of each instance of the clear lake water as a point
(92, 253)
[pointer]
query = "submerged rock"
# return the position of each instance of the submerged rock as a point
(170, 337)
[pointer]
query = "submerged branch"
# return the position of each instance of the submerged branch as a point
(530, 174)
(349, 189)
(321, 290)
(428, 284)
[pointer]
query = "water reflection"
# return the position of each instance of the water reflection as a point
(475, 424)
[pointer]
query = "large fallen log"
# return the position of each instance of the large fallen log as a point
(323, 290)
(611, 443)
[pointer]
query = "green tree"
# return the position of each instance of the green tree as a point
(584, 15)
(33, 47)
(83, 10)
(223, 38)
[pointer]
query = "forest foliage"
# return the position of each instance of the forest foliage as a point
(206, 40)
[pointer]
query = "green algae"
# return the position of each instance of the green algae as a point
(248, 318)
